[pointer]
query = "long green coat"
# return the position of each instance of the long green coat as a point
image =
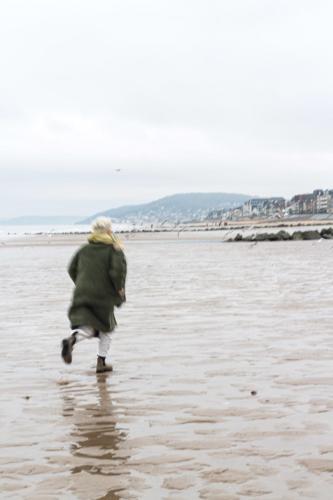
(99, 272)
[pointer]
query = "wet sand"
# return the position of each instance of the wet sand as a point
(222, 386)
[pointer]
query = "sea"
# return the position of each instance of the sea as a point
(9, 232)
(13, 231)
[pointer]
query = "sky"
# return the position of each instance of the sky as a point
(114, 102)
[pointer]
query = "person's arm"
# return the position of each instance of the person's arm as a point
(118, 272)
(72, 268)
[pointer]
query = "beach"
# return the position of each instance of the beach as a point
(222, 382)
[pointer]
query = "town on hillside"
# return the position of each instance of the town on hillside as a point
(318, 202)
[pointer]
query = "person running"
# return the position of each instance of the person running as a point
(98, 271)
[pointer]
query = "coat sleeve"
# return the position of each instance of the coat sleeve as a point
(118, 270)
(73, 265)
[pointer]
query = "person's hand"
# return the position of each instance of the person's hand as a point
(121, 294)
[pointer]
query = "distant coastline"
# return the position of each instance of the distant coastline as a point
(245, 231)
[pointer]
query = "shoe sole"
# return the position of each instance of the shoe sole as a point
(66, 351)
(105, 370)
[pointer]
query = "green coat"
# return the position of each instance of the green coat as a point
(98, 271)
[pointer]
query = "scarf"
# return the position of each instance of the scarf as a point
(107, 239)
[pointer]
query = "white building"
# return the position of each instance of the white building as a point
(263, 207)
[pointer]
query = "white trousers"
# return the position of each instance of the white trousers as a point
(104, 339)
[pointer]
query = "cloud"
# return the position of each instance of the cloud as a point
(232, 96)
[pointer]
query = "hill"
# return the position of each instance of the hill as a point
(175, 208)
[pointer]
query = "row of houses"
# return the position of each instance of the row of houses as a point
(318, 202)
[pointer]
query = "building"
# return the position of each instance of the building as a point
(322, 202)
(330, 201)
(302, 204)
(265, 207)
(318, 202)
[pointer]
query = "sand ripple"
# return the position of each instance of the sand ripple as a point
(222, 386)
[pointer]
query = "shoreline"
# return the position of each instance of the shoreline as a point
(228, 234)
(195, 232)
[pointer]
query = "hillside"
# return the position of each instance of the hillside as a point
(175, 208)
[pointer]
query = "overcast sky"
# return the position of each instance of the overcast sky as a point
(180, 95)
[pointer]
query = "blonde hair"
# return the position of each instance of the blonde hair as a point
(101, 225)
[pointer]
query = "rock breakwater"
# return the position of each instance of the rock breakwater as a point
(326, 233)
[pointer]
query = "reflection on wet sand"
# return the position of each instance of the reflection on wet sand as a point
(95, 439)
